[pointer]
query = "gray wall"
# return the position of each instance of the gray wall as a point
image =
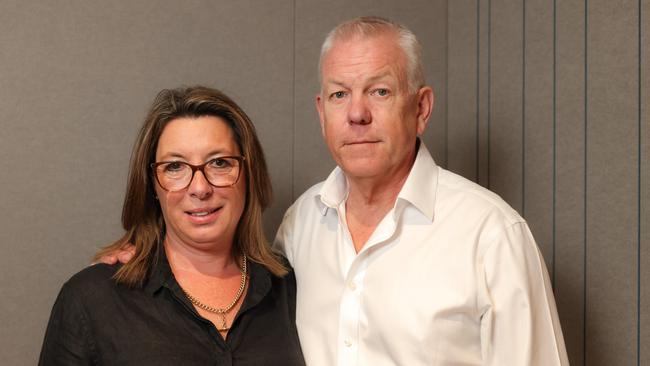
(541, 104)
(548, 106)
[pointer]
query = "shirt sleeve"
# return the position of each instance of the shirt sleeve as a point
(282, 241)
(67, 338)
(519, 325)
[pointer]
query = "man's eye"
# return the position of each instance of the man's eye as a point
(337, 95)
(381, 92)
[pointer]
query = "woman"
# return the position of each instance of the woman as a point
(203, 287)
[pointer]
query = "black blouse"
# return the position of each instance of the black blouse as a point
(97, 322)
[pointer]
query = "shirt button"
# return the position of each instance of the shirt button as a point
(352, 286)
(347, 342)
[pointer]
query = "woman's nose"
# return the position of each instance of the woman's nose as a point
(199, 186)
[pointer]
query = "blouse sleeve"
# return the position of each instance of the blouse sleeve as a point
(520, 325)
(67, 338)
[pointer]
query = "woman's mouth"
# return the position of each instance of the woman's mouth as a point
(203, 215)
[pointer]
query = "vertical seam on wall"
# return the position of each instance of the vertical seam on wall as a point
(478, 87)
(489, 96)
(447, 90)
(638, 256)
(553, 212)
(523, 113)
(584, 220)
(293, 101)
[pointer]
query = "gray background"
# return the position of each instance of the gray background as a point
(544, 102)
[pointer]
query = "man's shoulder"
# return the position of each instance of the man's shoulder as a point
(298, 219)
(308, 200)
(455, 189)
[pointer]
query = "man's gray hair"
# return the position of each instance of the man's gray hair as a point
(370, 26)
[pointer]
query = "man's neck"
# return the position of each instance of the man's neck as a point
(368, 202)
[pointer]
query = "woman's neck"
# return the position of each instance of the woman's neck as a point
(216, 262)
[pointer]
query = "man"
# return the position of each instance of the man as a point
(398, 261)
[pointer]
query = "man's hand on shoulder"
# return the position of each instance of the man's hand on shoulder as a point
(123, 255)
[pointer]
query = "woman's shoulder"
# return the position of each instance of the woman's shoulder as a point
(91, 282)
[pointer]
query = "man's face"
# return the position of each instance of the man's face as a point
(368, 117)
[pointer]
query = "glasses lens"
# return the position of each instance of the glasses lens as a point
(174, 176)
(222, 172)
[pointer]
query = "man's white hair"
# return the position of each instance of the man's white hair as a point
(370, 26)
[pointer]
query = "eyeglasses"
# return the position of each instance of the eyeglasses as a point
(173, 176)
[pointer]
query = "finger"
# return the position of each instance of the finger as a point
(107, 259)
(125, 256)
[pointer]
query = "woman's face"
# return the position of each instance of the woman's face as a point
(200, 215)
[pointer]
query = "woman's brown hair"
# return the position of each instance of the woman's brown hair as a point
(141, 215)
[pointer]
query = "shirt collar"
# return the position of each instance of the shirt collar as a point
(160, 272)
(421, 185)
(418, 190)
(334, 190)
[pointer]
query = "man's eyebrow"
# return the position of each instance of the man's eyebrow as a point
(335, 83)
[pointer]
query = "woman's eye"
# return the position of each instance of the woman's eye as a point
(173, 167)
(220, 163)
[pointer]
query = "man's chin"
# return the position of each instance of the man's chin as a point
(362, 168)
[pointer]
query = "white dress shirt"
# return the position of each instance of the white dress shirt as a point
(451, 276)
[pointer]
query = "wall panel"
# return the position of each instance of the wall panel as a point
(570, 167)
(612, 178)
(462, 96)
(644, 184)
(483, 28)
(506, 97)
(539, 148)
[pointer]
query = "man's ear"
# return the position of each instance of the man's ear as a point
(319, 108)
(425, 101)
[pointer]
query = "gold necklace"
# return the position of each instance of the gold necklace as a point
(222, 311)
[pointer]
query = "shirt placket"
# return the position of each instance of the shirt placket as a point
(349, 306)
(354, 269)
(350, 312)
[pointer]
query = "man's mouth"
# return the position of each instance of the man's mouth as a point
(361, 142)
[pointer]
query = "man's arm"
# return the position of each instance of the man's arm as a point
(520, 325)
(282, 241)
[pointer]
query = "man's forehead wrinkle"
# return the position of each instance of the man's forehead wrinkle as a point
(357, 70)
(361, 61)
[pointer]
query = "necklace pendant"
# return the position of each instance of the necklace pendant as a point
(224, 325)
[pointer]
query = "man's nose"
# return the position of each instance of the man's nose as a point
(359, 113)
